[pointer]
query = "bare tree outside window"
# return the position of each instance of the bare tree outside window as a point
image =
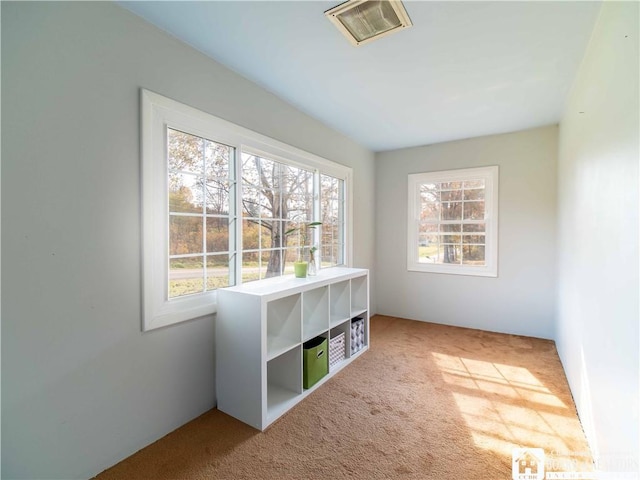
(276, 198)
(452, 227)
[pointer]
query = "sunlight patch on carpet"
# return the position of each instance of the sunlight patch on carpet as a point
(505, 406)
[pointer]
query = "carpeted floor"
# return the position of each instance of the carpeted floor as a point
(425, 402)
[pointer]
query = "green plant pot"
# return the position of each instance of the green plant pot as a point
(300, 269)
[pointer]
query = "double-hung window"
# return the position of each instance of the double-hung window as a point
(219, 203)
(453, 222)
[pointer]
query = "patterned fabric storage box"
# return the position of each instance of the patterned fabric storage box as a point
(357, 334)
(337, 350)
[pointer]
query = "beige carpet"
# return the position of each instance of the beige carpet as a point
(425, 402)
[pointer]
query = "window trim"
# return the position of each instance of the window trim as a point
(158, 112)
(491, 176)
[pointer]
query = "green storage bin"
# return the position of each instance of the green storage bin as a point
(315, 361)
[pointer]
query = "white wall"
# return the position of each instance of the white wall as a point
(598, 315)
(522, 299)
(82, 387)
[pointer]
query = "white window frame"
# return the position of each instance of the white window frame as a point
(490, 175)
(158, 113)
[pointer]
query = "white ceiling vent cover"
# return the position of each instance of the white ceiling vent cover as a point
(363, 21)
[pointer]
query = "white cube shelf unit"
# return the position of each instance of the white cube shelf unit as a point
(260, 329)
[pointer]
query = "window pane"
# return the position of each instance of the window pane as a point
(270, 203)
(272, 259)
(338, 253)
(294, 237)
(473, 227)
(428, 239)
(326, 255)
(217, 161)
(218, 234)
(185, 235)
(430, 190)
(451, 195)
(428, 249)
(478, 239)
(450, 239)
(329, 211)
(250, 267)
(329, 187)
(297, 180)
(332, 254)
(331, 246)
(217, 271)
(270, 234)
(475, 194)
(263, 186)
(185, 193)
(186, 276)
(331, 233)
(429, 227)
(449, 254)
(250, 234)
(430, 211)
(271, 173)
(450, 185)
(451, 227)
(473, 255)
(429, 202)
(425, 257)
(298, 208)
(451, 210)
(291, 255)
(474, 210)
(250, 202)
(250, 170)
(335, 215)
(185, 152)
(474, 184)
(217, 197)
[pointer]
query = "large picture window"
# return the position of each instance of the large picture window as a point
(220, 203)
(453, 222)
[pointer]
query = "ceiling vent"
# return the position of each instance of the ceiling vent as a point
(363, 21)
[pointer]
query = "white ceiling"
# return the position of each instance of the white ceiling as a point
(464, 69)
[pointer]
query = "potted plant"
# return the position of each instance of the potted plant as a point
(303, 267)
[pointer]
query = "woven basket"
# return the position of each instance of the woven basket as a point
(357, 335)
(337, 350)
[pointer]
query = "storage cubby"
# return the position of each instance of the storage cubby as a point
(260, 330)
(284, 381)
(359, 296)
(315, 312)
(283, 324)
(340, 302)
